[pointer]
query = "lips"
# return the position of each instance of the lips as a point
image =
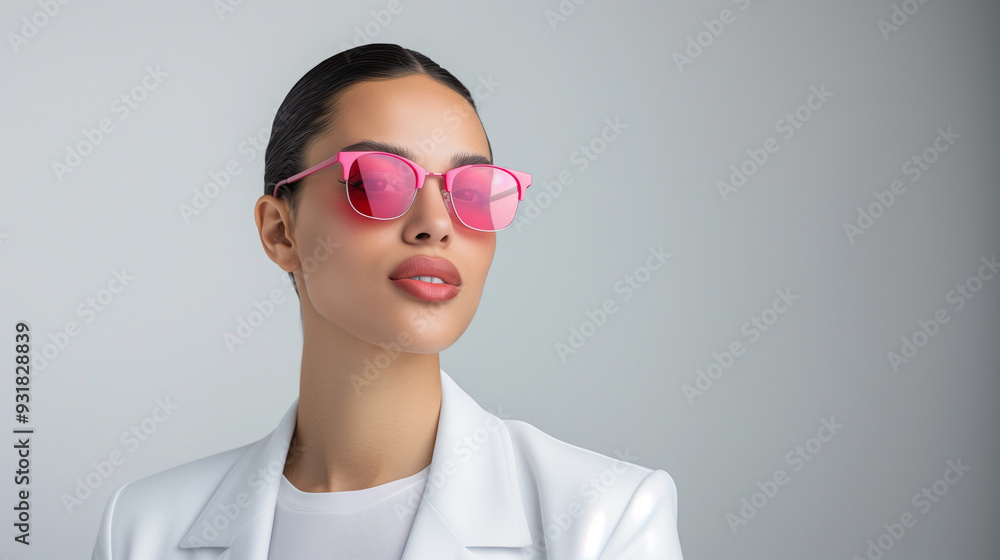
(422, 265)
(422, 289)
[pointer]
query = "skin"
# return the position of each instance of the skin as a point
(355, 431)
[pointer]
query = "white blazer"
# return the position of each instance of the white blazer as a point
(496, 489)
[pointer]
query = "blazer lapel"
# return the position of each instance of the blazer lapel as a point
(471, 497)
(240, 514)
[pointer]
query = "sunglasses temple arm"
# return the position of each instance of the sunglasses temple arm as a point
(503, 194)
(311, 170)
(522, 178)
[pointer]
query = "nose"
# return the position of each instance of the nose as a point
(429, 217)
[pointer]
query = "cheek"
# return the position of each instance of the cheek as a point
(329, 231)
(480, 258)
(335, 257)
(325, 254)
(341, 290)
(485, 249)
(327, 207)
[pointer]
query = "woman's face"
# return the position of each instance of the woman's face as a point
(345, 260)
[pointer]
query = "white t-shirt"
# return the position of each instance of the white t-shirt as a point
(371, 523)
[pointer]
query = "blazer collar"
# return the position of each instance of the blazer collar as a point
(471, 497)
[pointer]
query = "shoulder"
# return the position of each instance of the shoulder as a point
(157, 510)
(542, 451)
(584, 504)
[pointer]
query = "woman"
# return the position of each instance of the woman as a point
(383, 455)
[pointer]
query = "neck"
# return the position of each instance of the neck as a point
(366, 416)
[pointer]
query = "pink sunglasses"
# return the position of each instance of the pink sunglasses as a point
(382, 186)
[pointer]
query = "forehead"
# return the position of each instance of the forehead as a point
(414, 111)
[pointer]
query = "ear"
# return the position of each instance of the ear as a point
(274, 224)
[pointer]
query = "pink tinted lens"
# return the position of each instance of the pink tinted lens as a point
(380, 186)
(485, 197)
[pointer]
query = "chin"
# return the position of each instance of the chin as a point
(429, 338)
(414, 332)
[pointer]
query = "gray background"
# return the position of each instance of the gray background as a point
(654, 185)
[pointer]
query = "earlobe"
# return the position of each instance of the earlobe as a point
(274, 225)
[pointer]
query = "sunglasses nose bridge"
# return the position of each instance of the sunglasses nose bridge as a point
(445, 194)
(446, 191)
(429, 173)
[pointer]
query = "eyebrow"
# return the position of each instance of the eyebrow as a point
(458, 160)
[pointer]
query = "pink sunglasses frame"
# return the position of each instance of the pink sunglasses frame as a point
(347, 159)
